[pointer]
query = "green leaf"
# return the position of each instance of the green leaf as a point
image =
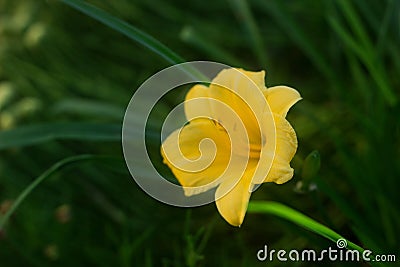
(355, 23)
(245, 16)
(278, 10)
(53, 169)
(364, 50)
(190, 36)
(280, 210)
(126, 29)
(35, 134)
(134, 34)
(89, 108)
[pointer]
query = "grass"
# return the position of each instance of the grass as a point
(65, 80)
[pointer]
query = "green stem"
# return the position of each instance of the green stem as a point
(57, 166)
(280, 210)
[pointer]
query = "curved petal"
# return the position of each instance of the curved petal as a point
(286, 146)
(243, 83)
(196, 162)
(245, 88)
(243, 92)
(281, 99)
(232, 78)
(200, 107)
(235, 197)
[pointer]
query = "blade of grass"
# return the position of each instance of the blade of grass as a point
(127, 249)
(348, 209)
(282, 211)
(40, 133)
(346, 37)
(190, 36)
(132, 33)
(242, 9)
(355, 23)
(88, 107)
(384, 28)
(53, 169)
(368, 13)
(369, 60)
(286, 21)
(34, 134)
(126, 29)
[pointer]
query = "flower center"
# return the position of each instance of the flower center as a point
(255, 142)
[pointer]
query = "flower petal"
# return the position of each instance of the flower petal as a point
(246, 89)
(197, 108)
(286, 146)
(233, 78)
(281, 99)
(196, 162)
(232, 197)
(243, 92)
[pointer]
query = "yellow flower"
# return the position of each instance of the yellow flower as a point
(252, 142)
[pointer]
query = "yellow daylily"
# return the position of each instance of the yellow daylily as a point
(262, 152)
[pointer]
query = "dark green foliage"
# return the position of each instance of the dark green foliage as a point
(65, 80)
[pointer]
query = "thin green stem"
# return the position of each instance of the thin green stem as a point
(280, 210)
(53, 169)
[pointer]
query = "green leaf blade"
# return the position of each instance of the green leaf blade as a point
(126, 29)
(35, 134)
(282, 211)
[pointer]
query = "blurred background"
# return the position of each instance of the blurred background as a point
(65, 80)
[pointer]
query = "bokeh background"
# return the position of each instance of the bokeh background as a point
(65, 80)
